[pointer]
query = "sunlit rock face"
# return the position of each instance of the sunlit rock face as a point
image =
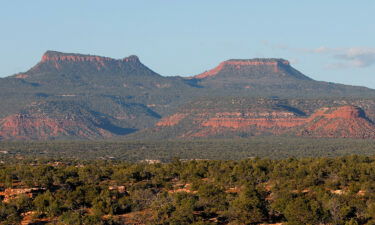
(345, 122)
(235, 64)
(341, 122)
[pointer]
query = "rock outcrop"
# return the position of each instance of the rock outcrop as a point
(345, 121)
(171, 120)
(341, 122)
(42, 127)
(53, 61)
(273, 64)
(58, 56)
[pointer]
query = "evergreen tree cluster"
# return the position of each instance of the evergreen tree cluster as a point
(252, 191)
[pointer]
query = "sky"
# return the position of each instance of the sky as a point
(326, 40)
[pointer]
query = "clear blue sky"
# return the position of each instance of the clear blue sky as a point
(327, 40)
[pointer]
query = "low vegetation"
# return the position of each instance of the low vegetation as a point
(220, 149)
(291, 191)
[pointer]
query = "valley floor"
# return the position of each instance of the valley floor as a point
(164, 151)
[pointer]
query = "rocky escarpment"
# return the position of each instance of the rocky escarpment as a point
(58, 57)
(62, 73)
(57, 120)
(252, 68)
(271, 64)
(41, 127)
(58, 61)
(265, 120)
(345, 121)
(213, 122)
(171, 120)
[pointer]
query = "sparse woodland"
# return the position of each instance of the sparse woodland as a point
(292, 191)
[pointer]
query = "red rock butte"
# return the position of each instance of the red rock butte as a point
(58, 56)
(238, 63)
(58, 59)
(344, 112)
(344, 121)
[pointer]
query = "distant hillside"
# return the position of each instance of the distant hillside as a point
(246, 117)
(269, 78)
(123, 94)
(77, 96)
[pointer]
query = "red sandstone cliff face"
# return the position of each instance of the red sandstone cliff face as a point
(26, 127)
(57, 61)
(260, 120)
(237, 64)
(75, 58)
(237, 123)
(171, 120)
(343, 121)
(57, 56)
(343, 112)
